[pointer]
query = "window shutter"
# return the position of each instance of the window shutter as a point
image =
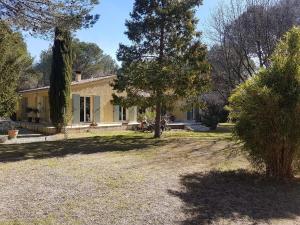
(190, 115)
(97, 107)
(76, 108)
(132, 114)
(116, 113)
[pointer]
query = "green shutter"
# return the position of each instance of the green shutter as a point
(132, 114)
(190, 115)
(97, 108)
(116, 113)
(76, 108)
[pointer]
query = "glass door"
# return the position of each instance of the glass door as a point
(85, 109)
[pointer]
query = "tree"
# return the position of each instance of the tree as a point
(14, 60)
(227, 70)
(267, 108)
(245, 32)
(43, 67)
(166, 60)
(91, 61)
(43, 16)
(29, 78)
(87, 58)
(60, 79)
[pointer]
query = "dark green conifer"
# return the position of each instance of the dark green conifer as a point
(165, 59)
(60, 79)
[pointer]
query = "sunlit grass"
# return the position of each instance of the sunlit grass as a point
(223, 132)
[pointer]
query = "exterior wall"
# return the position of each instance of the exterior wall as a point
(38, 99)
(178, 111)
(184, 115)
(100, 88)
(35, 100)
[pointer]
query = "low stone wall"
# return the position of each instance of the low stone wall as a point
(38, 128)
(49, 130)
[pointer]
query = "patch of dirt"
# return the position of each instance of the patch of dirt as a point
(137, 180)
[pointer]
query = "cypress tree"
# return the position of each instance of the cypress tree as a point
(165, 59)
(60, 78)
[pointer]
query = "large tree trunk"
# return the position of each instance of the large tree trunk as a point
(157, 132)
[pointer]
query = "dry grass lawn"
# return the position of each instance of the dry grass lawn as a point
(184, 178)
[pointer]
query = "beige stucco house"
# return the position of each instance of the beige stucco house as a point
(91, 102)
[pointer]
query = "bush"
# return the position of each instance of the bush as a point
(267, 111)
(149, 116)
(212, 115)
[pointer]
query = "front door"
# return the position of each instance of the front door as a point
(85, 109)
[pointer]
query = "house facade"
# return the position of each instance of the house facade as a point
(91, 103)
(90, 100)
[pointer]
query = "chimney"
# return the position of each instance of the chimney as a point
(77, 76)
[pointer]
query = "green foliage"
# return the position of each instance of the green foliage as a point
(29, 78)
(91, 61)
(267, 108)
(42, 16)
(87, 58)
(212, 115)
(60, 79)
(166, 60)
(149, 116)
(14, 60)
(43, 67)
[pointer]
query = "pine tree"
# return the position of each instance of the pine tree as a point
(40, 17)
(166, 59)
(60, 79)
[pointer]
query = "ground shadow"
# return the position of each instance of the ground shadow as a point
(214, 196)
(11, 153)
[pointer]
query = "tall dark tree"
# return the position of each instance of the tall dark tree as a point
(166, 60)
(60, 78)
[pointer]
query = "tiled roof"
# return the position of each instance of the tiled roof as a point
(72, 84)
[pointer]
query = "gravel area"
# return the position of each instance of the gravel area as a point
(134, 179)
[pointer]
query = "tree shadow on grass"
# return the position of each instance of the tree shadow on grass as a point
(235, 196)
(12, 153)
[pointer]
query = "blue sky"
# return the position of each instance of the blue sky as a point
(109, 31)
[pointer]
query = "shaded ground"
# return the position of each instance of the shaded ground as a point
(238, 197)
(131, 178)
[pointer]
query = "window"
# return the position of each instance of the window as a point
(122, 114)
(190, 115)
(24, 107)
(85, 109)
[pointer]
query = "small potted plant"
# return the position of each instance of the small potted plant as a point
(93, 124)
(12, 132)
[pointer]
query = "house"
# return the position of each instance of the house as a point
(91, 103)
(90, 100)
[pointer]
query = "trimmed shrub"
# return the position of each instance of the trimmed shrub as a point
(267, 111)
